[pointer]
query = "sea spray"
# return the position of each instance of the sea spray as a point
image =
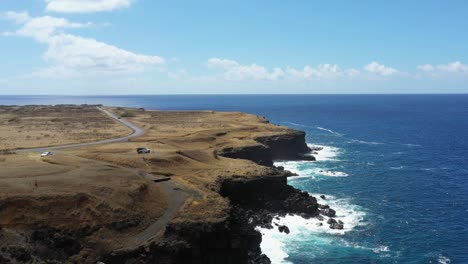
(277, 245)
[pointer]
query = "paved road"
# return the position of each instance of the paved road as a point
(137, 131)
(176, 196)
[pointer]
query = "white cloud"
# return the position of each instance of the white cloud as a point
(72, 55)
(222, 63)
(76, 54)
(321, 71)
(40, 28)
(426, 67)
(352, 72)
(377, 68)
(18, 17)
(234, 71)
(85, 6)
(452, 67)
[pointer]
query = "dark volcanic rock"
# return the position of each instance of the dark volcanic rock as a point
(259, 154)
(333, 224)
(328, 212)
(336, 226)
(283, 229)
(255, 201)
(323, 206)
(262, 259)
(20, 254)
(322, 196)
(289, 146)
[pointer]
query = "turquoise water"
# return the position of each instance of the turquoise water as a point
(395, 167)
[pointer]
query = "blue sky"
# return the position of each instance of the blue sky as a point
(228, 47)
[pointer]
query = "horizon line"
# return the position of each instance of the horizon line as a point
(228, 94)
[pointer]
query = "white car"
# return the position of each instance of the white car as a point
(45, 154)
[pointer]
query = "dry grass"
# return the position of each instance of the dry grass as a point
(64, 191)
(184, 145)
(97, 184)
(38, 126)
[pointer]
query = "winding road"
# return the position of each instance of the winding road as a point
(176, 196)
(137, 131)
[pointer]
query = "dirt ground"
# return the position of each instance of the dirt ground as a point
(68, 192)
(111, 185)
(36, 126)
(184, 147)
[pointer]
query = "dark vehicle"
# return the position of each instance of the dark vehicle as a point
(143, 150)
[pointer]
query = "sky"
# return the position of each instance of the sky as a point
(106, 47)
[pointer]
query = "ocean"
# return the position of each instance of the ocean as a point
(394, 167)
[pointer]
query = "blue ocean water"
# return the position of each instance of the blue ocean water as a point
(395, 167)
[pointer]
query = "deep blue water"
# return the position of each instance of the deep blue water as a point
(406, 157)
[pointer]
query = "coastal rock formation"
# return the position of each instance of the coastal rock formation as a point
(285, 146)
(289, 146)
(101, 203)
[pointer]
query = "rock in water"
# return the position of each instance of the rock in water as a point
(328, 212)
(262, 259)
(323, 206)
(283, 229)
(322, 196)
(336, 226)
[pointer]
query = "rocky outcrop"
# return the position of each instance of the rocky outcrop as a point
(287, 146)
(254, 201)
(283, 146)
(258, 153)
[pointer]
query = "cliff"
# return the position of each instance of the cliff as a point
(253, 201)
(285, 146)
(105, 203)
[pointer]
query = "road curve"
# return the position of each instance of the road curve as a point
(137, 131)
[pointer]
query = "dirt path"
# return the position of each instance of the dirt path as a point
(176, 196)
(137, 131)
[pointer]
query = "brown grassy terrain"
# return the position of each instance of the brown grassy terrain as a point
(184, 146)
(37, 126)
(109, 187)
(68, 192)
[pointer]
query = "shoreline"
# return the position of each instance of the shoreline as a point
(238, 188)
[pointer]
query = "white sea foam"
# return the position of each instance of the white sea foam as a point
(333, 173)
(380, 249)
(327, 153)
(330, 131)
(396, 168)
(411, 145)
(365, 142)
(295, 167)
(308, 169)
(295, 124)
(443, 260)
(273, 242)
(273, 245)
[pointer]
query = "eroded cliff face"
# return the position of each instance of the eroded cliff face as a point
(282, 146)
(287, 146)
(254, 201)
(221, 161)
